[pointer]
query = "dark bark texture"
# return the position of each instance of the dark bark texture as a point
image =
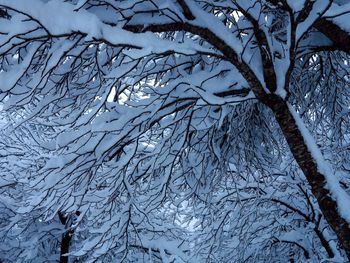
(66, 239)
(317, 180)
(340, 38)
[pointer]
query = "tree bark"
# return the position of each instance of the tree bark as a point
(339, 37)
(308, 165)
(66, 239)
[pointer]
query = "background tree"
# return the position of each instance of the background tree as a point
(165, 124)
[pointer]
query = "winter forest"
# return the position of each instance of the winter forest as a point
(184, 131)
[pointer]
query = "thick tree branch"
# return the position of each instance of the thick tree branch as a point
(339, 37)
(186, 10)
(214, 40)
(265, 52)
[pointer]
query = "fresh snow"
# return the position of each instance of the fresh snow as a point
(332, 182)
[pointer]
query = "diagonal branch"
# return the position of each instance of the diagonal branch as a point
(339, 37)
(186, 10)
(214, 40)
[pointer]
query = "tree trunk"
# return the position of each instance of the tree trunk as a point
(308, 165)
(65, 241)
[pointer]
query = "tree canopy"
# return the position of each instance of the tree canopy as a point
(175, 131)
